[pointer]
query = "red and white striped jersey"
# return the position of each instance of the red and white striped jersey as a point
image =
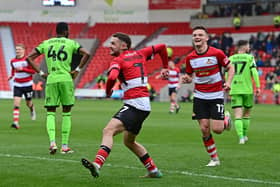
(23, 77)
(130, 68)
(207, 68)
(173, 77)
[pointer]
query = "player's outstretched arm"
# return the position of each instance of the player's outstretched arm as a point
(30, 59)
(84, 60)
(156, 49)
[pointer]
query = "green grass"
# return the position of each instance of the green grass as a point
(174, 142)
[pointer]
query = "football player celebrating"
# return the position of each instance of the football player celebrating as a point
(129, 66)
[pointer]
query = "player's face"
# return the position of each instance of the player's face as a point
(115, 46)
(171, 64)
(199, 38)
(19, 52)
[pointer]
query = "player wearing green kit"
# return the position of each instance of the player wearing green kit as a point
(58, 53)
(242, 93)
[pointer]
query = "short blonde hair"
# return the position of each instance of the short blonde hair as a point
(20, 45)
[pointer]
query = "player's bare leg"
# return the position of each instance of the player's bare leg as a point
(31, 107)
(113, 128)
(208, 140)
(140, 151)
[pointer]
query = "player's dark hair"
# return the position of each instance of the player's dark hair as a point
(200, 28)
(242, 43)
(61, 27)
(123, 37)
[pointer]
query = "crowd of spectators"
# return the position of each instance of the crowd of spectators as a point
(224, 42)
(264, 46)
(244, 9)
(266, 49)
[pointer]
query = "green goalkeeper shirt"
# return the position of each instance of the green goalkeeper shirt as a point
(245, 69)
(58, 54)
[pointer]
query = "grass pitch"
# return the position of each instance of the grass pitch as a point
(174, 142)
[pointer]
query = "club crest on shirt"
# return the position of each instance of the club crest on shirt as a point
(209, 61)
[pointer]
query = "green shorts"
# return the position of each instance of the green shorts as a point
(60, 93)
(242, 100)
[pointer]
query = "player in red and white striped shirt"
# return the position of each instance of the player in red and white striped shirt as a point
(205, 64)
(22, 72)
(173, 86)
(129, 66)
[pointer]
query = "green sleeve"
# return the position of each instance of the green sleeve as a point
(255, 74)
(40, 47)
(76, 46)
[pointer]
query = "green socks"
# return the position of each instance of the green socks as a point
(246, 124)
(66, 127)
(239, 127)
(51, 125)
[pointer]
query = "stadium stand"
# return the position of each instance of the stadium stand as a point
(103, 31)
(4, 84)
(147, 33)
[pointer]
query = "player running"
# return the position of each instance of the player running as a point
(22, 73)
(129, 67)
(58, 53)
(205, 63)
(173, 86)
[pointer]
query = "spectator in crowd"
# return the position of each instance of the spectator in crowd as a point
(276, 21)
(101, 77)
(277, 71)
(226, 41)
(259, 62)
(101, 84)
(236, 21)
(273, 62)
(258, 9)
(270, 78)
(214, 41)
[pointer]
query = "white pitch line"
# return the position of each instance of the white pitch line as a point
(129, 167)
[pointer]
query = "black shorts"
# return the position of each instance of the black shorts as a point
(132, 118)
(26, 91)
(172, 90)
(208, 109)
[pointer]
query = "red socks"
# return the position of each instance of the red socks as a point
(210, 146)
